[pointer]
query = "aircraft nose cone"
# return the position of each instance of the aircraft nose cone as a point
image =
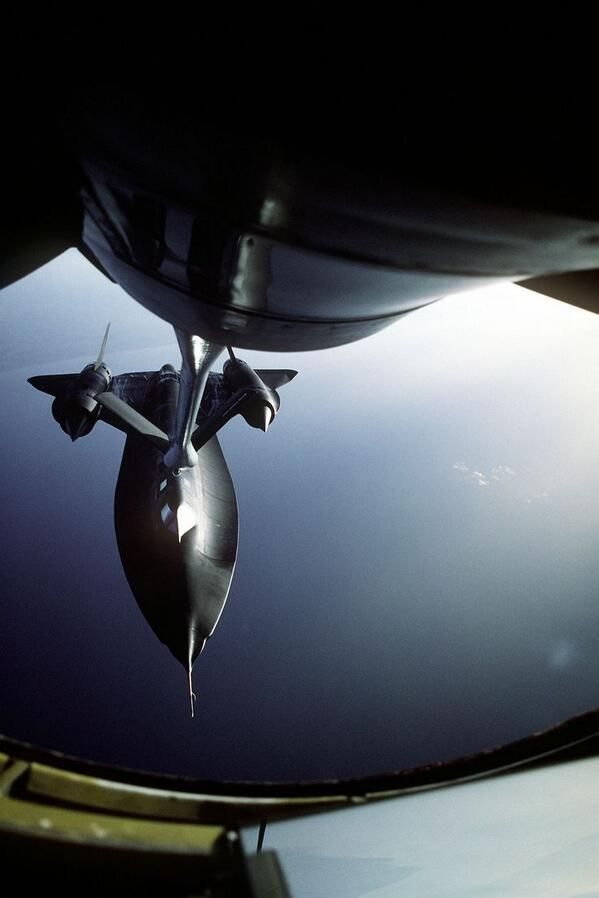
(186, 650)
(186, 645)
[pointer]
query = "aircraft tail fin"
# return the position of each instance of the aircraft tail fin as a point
(100, 358)
(133, 419)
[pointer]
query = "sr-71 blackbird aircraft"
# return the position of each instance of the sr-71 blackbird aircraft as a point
(175, 506)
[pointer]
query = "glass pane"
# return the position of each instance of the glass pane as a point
(531, 833)
(417, 570)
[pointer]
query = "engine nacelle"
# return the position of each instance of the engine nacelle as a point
(261, 403)
(77, 410)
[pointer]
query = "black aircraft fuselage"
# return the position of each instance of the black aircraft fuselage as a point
(176, 532)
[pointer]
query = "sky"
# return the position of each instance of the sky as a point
(417, 570)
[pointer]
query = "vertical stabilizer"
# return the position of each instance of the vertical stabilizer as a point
(100, 358)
